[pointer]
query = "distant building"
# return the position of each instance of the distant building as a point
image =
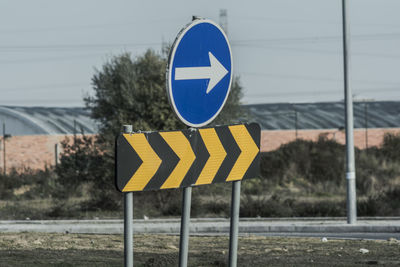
(329, 115)
(282, 123)
(46, 121)
(36, 130)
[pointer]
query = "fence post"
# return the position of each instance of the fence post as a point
(56, 154)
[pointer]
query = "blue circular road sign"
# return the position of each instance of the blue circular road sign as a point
(199, 72)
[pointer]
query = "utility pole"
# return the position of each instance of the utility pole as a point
(350, 162)
(223, 20)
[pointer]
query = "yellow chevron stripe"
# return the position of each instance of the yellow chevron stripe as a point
(150, 165)
(181, 146)
(249, 151)
(217, 156)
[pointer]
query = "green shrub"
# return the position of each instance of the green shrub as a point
(391, 146)
(322, 164)
(386, 203)
(84, 163)
(314, 171)
(320, 209)
(27, 184)
(316, 161)
(261, 206)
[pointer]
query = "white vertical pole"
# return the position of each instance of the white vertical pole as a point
(350, 162)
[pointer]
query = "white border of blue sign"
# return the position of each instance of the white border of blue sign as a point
(169, 72)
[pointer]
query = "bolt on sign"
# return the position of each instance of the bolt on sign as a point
(192, 157)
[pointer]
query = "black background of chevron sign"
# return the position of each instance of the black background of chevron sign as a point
(127, 160)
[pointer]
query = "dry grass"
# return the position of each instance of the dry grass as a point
(34, 249)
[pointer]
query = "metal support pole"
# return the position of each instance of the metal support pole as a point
(295, 123)
(56, 154)
(75, 132)
(128, 219)
(185, 220)
(4, 149)
(128, 229)
(234, 231)
(366, 126)
(350, 162)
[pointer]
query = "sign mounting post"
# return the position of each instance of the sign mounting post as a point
(199, 78)
(128, 219)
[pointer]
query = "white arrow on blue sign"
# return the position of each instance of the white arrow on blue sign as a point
(199, 73)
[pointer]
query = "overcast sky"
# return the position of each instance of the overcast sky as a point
(283, 50)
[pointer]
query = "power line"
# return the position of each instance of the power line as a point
(325, 52)
(64, 101)
(243, 42)
(52, 59)
(314, 39)
(164, 20)
(45, 87)
(74, 46)
(357, 91)
(86, 26)
(312, 78)
(260, 43)
(308, 21)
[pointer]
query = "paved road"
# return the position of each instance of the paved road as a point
(369, 236)
(366, 228)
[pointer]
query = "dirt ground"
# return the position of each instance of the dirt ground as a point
(38, 249)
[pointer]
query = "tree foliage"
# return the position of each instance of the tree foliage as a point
(391, 146)
(126, 91)
(132, 91)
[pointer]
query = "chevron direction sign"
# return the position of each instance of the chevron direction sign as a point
(174, 159)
